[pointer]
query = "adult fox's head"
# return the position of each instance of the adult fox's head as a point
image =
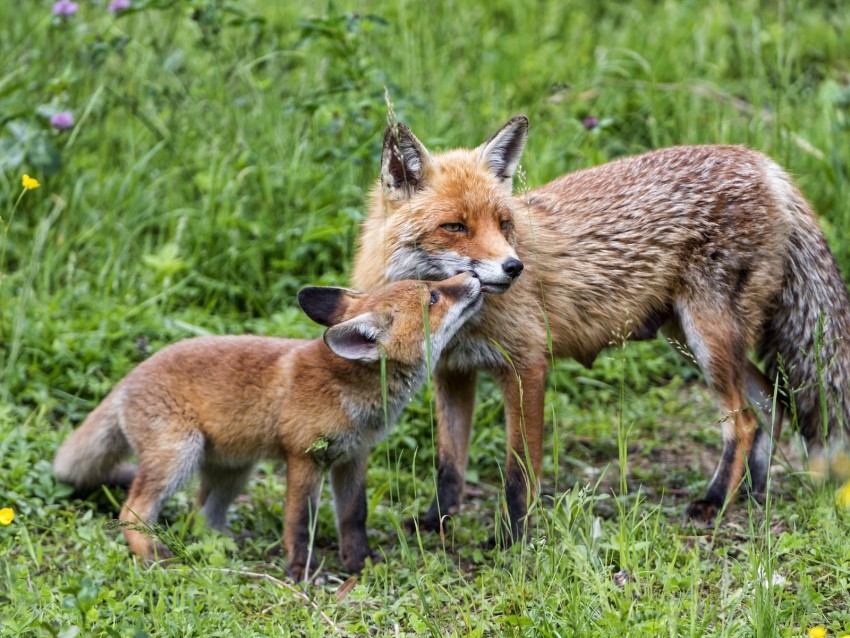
(434, 216)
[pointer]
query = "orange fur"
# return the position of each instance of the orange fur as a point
(713, 245)
(219, 404)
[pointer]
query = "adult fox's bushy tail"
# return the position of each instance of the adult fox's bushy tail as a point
(92, 455)
(806, 339)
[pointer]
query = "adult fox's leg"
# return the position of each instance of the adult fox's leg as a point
(760, 394)
(524, 392)
(718, 342)
(455, 396)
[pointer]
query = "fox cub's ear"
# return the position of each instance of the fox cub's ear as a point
(501, 153)
(405, 163)
(357, 338)
(326, 305)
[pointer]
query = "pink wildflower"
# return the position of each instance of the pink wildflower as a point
(118, 6)
(65, 8)
(62, 120)
(590, 122)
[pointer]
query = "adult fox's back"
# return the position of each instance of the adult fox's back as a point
(711, 244)
(724, 222)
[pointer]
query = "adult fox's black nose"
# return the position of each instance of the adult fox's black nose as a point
(512, 267)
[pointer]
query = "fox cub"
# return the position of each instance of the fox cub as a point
(219, 404)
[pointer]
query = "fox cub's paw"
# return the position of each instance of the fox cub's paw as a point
(355, 564)
(299, 571)
(156, 554)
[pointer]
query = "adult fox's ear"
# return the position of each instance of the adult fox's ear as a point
(356, 339)
(501, 153)
(326, 305)
(405, 163)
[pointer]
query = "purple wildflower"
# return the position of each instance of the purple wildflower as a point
(65, 8)
(117, 6)
(590, 122)
(62, 120)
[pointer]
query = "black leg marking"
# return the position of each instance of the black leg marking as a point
(512, 526)
(516, 499)
(705, 510)
(445, 504)
(758, 465)
(348, 481)
(297, 560)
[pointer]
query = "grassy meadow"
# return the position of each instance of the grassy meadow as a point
(218, 159)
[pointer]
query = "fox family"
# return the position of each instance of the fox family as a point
(218, 404)
(712, 245)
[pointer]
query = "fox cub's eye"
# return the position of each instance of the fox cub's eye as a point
(454, 227)
(505, 225)
(435, 297)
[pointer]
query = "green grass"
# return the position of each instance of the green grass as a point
(219, 161)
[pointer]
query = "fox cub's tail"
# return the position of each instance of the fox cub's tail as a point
(92, 455)
(807, 339)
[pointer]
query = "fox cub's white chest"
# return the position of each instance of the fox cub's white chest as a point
(369, 422)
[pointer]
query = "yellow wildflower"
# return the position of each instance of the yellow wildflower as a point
(816, 632)
(842, 496)
(29, 183)
(7, 515)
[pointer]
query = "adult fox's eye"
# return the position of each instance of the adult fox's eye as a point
(454, 227)
(505, 225)
(435, 297)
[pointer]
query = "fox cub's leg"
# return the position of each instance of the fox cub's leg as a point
(302, 502)
(760, 395)
(455, 396)
(524, 392)
(348, 483)
(219, 486)
(719, 345)
(162, 470)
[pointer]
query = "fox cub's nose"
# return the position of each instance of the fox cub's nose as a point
(512, 267)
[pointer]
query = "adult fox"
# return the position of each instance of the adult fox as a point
(219, 404)
(714, 245)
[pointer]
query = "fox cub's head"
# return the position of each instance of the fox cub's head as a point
(451, 212)
(391, 319)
